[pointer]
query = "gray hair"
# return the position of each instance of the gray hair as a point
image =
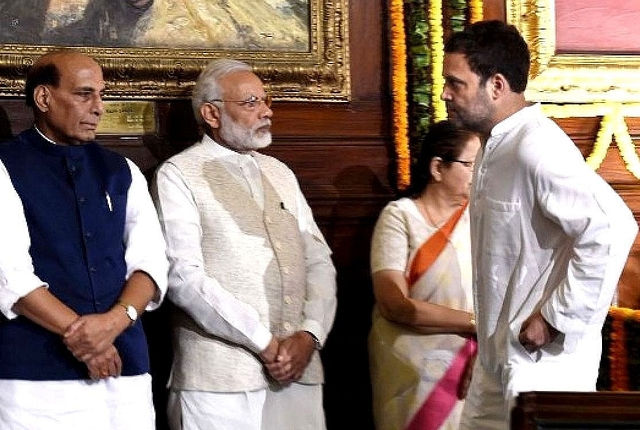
(207, 86)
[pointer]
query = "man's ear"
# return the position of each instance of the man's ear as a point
(211, 114)
(499, 85)
(42, 97)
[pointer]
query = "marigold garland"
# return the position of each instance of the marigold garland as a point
(399, 91)
(436, 33)
(399, 75)
(475, 11)
(618, 352)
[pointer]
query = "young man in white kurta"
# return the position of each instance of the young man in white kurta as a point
(549, 236)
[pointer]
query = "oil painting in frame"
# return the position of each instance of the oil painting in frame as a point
(302, 59)
(571, 77)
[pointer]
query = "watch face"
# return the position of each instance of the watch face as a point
(132, 313)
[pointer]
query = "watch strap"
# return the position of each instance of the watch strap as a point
(316, 342)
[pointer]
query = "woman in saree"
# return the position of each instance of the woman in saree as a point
(421, 344)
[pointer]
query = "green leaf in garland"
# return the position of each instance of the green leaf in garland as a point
(458, 10)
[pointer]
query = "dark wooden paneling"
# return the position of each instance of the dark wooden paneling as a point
(539, 410)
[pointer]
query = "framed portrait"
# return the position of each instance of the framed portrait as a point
(582, 51)
(155, 49)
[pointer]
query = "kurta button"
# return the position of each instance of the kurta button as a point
(287, 300)
(287, 326)
(285, 270)
(267, 219)
(88, 235)
(278, 245)
(81, 199)
(92, 269)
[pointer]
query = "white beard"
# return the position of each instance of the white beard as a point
(242, 139)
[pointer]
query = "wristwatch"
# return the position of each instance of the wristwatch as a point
(130, 310)
(316, 343)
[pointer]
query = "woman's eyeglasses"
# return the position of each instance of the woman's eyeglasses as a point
(463, 162)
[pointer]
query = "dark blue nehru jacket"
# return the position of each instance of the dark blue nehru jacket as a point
(74, 199)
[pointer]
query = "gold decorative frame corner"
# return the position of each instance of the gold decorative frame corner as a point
(320, 74)
(570, 78)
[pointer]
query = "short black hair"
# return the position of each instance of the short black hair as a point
(40, 74)
(492, 47)
(445, 140)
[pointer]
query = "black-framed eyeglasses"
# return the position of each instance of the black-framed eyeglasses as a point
(463, 162)
(250, 103)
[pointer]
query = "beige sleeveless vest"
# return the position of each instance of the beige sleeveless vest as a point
(257, 255)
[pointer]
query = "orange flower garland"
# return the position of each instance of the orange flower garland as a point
(399, 77)
(399, 91)
(618, 353)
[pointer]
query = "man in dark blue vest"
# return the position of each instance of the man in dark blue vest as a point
(81, 256)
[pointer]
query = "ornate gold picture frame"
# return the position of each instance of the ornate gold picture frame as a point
(570, 78)
(319, 74)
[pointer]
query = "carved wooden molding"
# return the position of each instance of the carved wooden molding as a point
(320, 74)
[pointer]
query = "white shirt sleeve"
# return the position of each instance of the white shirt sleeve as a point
(320, 304)
(211, 306)
(17, 277)
(602, 230)
(143, 239)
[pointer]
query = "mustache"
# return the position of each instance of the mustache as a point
(263, 124)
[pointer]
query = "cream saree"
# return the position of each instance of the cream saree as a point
(415, 377)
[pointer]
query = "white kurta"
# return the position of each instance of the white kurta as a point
(406, 365)
(548, 234)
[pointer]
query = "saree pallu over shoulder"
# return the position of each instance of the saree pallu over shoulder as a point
(432, 248)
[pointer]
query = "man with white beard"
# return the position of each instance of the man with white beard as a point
(251, 274)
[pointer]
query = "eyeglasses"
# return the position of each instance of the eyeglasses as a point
(463, 162)
(250, 103)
